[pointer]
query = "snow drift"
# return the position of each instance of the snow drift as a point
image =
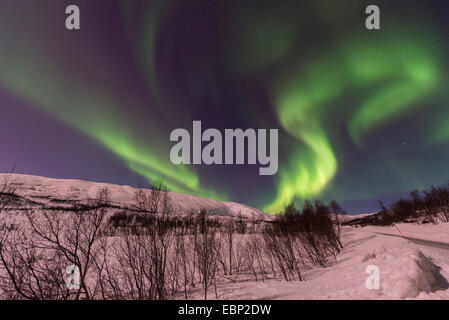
(410, 274)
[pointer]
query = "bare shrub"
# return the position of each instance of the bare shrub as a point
(143, 257)
(154, 200)
(205, 251)
(7, 191)
(35, 256)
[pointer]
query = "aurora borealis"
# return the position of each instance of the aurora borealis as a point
(362, 115)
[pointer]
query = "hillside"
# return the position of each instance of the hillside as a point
(35, 190)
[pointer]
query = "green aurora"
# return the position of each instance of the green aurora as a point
(358, 84)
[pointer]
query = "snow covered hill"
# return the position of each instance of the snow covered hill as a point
(412, 259)
(48, 191)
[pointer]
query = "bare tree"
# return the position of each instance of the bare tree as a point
(336, 210)
(154, 200)
(230, 234)
(205, 251)
(48, 242)
(143, 260)
(158, 200)
(7, 191)
(103, 198)
(29, 271)
(140, 199)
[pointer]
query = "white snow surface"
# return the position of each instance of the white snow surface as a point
(407, 270)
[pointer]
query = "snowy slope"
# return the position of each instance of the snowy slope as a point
(46, 190)
(427, 232)
(247, 211)
(406, 271)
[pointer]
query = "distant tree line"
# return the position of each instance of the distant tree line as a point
(427, 206)
(430, 205)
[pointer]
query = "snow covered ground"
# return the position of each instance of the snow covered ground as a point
(430, 232)
(412, 259)
(406, 270)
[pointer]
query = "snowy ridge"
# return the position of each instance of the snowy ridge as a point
(46, 190)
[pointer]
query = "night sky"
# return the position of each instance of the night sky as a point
(362, 115)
